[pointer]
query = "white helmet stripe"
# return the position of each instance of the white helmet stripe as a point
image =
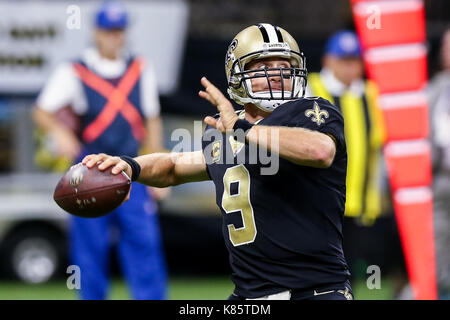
(271, 32)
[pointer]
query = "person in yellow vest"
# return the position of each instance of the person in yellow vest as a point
(341, 81)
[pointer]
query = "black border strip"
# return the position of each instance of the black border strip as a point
(264, 33)
(279, 35)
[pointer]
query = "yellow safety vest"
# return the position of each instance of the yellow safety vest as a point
(364, 134)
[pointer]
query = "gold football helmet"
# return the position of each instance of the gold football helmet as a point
(259, 42)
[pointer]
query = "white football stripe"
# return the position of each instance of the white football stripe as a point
(271, 32)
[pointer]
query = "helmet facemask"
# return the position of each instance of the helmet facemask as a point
(240, 80)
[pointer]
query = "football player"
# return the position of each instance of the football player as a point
(283, 230)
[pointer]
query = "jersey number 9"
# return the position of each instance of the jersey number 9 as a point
(239, 202)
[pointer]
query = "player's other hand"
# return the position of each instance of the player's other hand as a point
(105, 161)
(227, 115)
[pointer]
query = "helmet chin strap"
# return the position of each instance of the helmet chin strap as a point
(268, 105)
(265, 103)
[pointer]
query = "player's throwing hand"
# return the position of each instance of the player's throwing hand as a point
(227, 115)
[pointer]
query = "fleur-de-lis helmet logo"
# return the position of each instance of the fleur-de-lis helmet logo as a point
(316, 114)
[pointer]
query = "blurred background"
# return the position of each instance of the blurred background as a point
(185, 40)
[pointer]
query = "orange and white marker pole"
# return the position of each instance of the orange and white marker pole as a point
(392, 35)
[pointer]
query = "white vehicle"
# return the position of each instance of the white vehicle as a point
(32, 227)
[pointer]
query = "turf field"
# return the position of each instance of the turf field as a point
(181, 288)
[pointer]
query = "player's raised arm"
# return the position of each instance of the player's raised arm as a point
(298, 145)
(156, 169)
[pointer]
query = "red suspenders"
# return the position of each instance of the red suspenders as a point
(117, 101)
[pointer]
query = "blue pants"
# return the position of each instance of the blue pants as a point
(140, 250)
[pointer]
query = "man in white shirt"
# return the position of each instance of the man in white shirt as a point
(114, 95)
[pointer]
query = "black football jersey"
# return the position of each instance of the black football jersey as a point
(283, 230)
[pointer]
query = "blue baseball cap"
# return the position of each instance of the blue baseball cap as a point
(343, 44)
(112, 15)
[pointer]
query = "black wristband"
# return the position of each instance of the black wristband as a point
(242, 124)
(135, 167)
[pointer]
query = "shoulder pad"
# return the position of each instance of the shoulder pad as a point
(302, 105)
(323, 103)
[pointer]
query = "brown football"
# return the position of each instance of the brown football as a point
(91, 193)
